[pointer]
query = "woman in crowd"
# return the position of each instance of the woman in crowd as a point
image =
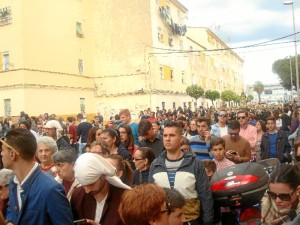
(156, 127)
(297, 151)
(142, 161)
(144, 205)
(94, 135)
(192, 131)
(282, 203)
(124, 170)
(46, 147)
(5, 176)
(295, 120)
(261, 129)
(126, 138)
(111, 137)
(64, 161)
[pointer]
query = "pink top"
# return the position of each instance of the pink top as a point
(250, 133)
(223, 163)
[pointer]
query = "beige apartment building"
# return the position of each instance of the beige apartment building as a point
(66, 56)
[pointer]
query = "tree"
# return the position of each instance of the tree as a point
(258, 88)
(195, 92)
(227, 95)
(212, 95)
(236, 99)
(282, 68)
(249, 98)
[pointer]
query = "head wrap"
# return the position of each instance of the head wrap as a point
(55, 124)
(90, 166)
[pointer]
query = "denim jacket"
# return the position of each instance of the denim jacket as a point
(44, 202)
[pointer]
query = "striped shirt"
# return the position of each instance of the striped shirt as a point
(172, 167)
(200, 148)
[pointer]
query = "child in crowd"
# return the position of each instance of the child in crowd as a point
(218, 150)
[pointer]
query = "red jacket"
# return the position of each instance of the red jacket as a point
(84, 206)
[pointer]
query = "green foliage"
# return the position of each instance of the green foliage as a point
(212, 95)
(236, 98)
(194, 91)
(227, 95)
(258, 88)
(249, 98)
(282, 68)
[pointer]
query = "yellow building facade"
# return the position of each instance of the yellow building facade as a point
(66, 56)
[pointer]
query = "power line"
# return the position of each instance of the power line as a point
(260, 44)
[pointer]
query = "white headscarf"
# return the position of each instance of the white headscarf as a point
(90, 166)
(55, 124)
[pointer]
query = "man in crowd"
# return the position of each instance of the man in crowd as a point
(176, 203)
(200, 144)
(53, 129)
(96, 122)
(247, 131)
(98, 199)
(35, 197)
(125, 117)
(274, 143)
(220, 128)
(150, 139)
(72, 131)
(237, 148)
(182, 171)
(83, 129)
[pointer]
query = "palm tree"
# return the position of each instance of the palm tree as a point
(258, 88)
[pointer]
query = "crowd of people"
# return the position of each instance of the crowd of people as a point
(153, 170)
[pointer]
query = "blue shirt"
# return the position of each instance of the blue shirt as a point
(273, 141)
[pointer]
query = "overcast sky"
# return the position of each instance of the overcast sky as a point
(244, 22)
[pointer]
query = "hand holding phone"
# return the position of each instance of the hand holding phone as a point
(81, 221)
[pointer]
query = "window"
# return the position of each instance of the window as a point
(160, 35)
(182, 77)
(161, 72)
(7, 107)
(170, 40)
(79, 32)
(82, 104)
(4, 61)
(80, 66)
(181, 45)
(171, 74)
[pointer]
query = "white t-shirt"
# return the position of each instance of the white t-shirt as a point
(223, 131)
(99, 209)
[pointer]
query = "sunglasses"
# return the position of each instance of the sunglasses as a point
(233, 134)
(241, 117)
(222, 115)
(167, 210)
(283, 197)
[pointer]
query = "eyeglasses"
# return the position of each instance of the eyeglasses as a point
(8, 146)
(135, 159)
(2, 186)
(283, 197)
(167, 210)
(241, 117)
(233, 134)
(222, 115)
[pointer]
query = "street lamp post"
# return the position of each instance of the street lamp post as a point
(291, 79)
(295, 43)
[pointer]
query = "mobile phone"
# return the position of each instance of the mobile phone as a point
(81, 221)
(233, 152)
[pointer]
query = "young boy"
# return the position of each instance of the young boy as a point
(218, 150)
